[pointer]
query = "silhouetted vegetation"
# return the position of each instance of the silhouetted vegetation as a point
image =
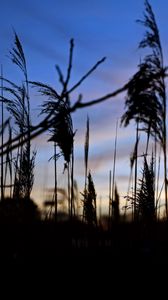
(18, 211)
(54, 231)
(89, 202)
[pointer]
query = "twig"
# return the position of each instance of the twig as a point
(69, 64)
(80, 104)
(61, 77)
(86, 75)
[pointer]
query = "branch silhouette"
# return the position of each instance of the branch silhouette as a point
(47, 90)
(45, 124)
(80, 104)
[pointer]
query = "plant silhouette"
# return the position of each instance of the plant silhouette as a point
(146, 195)
(68, 229)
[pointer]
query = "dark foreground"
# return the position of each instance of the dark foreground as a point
(48, 243)
(130, 256)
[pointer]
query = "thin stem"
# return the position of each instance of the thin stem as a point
(2, 136)
(69, 65)
(110, 193)
(69, 192)
(136, 166)
(80, 104)
(72, 184)
(86, 75)
(158, 175)
(114, 164)
(55, 176)
(28, 125)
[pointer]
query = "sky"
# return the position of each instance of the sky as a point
(99, 28)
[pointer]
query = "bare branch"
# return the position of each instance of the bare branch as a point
(61, 77)
(86, 75)
(70, 64)
(80, 104)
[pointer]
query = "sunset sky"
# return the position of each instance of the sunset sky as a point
(99, 28)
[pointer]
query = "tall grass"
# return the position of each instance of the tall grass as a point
(145, 104)
(18, 105)
(155, 66)
(2, 136)
(146, 193)
(89, 202)
(146, 96)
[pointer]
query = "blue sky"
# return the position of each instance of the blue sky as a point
(99, 28)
